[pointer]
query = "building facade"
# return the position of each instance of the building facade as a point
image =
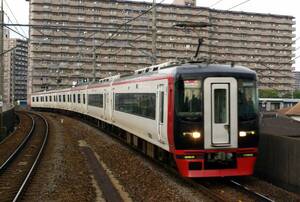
(15, 70)
(297, 80)
(73, 40)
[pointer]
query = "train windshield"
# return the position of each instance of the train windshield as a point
(247, 100)
(189, 100)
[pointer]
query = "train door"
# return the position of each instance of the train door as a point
(161, 125)
(220, 113)
(106, 104)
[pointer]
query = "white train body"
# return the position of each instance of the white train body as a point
(151, 129)
(203, 116)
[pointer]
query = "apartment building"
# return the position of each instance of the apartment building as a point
(15, 69)
(297, 80)
(73, 40)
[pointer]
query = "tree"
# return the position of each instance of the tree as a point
(268, 93)
(297, 94)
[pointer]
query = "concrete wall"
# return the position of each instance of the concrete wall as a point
(279, 160)
(9, 121)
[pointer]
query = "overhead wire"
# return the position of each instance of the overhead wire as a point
(238, 5)
(127, 22)
(215, 3)
(8, 27)
(7, 5)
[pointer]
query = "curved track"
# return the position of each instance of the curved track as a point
(16, 171)
(258, 196)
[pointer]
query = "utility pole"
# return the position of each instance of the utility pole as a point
(94, 60)
(154, 31)
(1, 69)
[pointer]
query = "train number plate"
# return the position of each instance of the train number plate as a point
(220, 160)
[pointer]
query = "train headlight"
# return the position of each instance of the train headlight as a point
(245, 133)
(194, 135)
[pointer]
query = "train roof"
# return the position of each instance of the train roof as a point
(215, 69)
(200, 67)
(171, 68)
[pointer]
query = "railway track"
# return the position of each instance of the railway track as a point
(242, 191)
(229, 190)
(16, 171)
(258, 196)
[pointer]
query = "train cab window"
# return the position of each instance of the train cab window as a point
(74, 98)
(189, 100)
(78, 97)
(247, 100)
(64, 98)
(83, 98)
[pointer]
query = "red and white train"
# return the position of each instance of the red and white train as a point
(202, 117)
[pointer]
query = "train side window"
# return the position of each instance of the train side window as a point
(37, 99)
(74, 98)
(140, 104)
(50, 98)
(64, 98)
(83, 98)
(33, 100)
(46, 98)
(95, 100)
(59, 98)
(78, 97)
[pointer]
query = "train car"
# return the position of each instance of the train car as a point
(203, 116)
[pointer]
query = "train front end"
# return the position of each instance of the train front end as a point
(215, 121)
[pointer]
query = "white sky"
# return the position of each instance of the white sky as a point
(287, 7)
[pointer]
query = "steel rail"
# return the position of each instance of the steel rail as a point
(259, 196)
(19, 148)
(30, 172)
